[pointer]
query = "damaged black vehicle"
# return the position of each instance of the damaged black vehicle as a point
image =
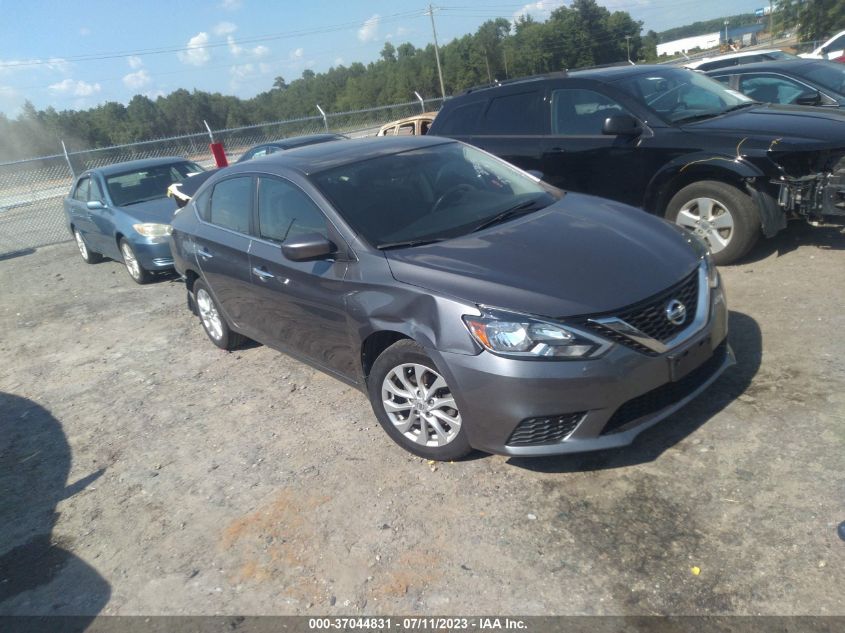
(668, 140)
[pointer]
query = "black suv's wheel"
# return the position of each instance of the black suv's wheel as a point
(88, 255)
(414, 404)
(213, 322)
(721, 214)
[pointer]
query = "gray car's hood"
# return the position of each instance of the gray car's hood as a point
(160, 210)
(580, 256)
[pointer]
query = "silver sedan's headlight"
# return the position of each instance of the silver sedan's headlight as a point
(151, 229)
(521, 336)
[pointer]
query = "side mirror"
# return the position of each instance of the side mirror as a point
(93, 205)
(811, 98)
(308, 246)
(621, 125)
(536, 173)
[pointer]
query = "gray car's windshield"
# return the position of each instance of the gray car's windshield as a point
(430, 194)
(679, 95)
(141, 185)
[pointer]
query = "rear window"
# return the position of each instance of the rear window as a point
(829, 75)
(514, 114)
(461, 120)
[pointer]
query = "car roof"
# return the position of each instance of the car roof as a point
(312, 159)
(736, 55)
(774, 64)
(132, 165)
(306, 139)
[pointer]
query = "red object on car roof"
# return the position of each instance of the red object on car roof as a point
(219, 154)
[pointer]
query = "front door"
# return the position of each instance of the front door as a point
(299, 306)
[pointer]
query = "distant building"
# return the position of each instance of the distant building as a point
(703, 42)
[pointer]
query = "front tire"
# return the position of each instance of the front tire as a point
(213, 322)
(88, 256)
(721, 214)
(414, 405)
(139, 274)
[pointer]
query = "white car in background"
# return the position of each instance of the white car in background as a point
(831, 49)
(737, 59)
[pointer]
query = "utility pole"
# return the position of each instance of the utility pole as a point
(771, 23)
(506, 63)
(437, 52)
(487, 63)
(726, 32)
(628, 46)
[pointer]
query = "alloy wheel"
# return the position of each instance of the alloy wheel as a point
(80, 243)
(131, 261)
(420, 405)
(208, 315)
(709, 219)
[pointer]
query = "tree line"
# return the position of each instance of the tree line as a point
(581, 34)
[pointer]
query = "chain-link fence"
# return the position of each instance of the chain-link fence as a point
(31, 191)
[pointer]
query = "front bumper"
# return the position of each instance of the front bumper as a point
(154, 253)
(573, 407)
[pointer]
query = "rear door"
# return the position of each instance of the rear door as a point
(222, 247)
(299, 307)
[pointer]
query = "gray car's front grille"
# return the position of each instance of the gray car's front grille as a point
(649, 316)
(544, 430)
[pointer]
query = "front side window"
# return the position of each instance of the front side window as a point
(231, 204)
(771, 88)
(82, 190)
(405, 130)
(828, 74)
(579, 112)
(94, 192)
(430, 193)
(285, 211)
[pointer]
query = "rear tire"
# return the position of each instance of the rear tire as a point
(213, 322)
(724, 216)
(414, 405)
(88, 256)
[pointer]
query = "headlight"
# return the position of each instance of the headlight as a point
(702, 249)
(712, 272)
(518, 335)
(150, 229)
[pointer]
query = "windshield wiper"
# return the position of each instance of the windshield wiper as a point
(710, 115)
(524, 207)
(408, 243)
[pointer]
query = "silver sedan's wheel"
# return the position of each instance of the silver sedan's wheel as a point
(209, 316)
(709, 219)
(420, 405)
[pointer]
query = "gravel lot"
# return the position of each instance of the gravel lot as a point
(144, 471)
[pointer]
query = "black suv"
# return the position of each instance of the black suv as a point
(669, 140)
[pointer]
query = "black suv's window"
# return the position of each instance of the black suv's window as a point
(82, 189)
(462, 120)
(284, 211)
(231, 204)
(579, 112)
(771, 88)
(514, 114)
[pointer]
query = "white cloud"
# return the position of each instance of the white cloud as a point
(234, 48)
(224, 28)
(242, 71)
(137, 80)
(539, 10)
(135, 62)
(76, 88)
(196, 54)
(369, 30)
(54, 64)
(338, 61)
(402, 31)
(10, 99)
(260, 51)
(231, 5)
(264, 68)
(84, 31)
(296, 54)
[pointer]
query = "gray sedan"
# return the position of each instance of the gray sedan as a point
(477, 306)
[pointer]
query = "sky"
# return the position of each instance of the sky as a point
(76, 55)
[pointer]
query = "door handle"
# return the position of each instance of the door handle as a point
(205, 253)
(262, 274)
(557, 150)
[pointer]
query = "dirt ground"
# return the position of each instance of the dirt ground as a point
(144, 471)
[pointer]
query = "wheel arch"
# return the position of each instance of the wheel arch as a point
(373, 346)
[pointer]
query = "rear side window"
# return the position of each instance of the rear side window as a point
(82, 190)
(461, 120)
(231, 204)
(285, 211)
(580, 112)
(514, 114)
(405, 130)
